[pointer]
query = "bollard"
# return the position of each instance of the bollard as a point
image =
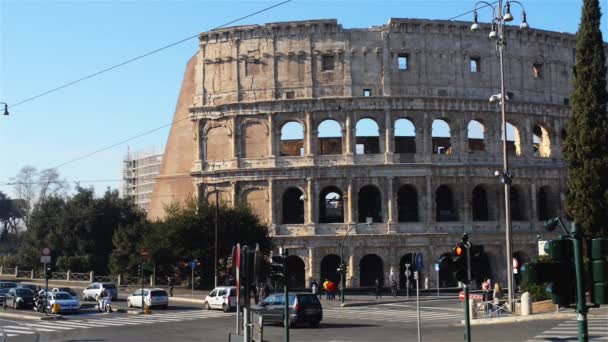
(526, 304)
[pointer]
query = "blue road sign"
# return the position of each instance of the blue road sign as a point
(193, 264)
(419, 263)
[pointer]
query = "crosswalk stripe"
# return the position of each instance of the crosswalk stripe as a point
(18, 331)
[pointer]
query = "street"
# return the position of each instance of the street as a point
(382, 322)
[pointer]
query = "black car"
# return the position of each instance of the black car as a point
(32, 287)
(20, 298)
(303, 308)
(5, 286)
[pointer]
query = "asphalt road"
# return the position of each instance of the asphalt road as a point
(386, 322)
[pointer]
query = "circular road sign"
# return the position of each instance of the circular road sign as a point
(46, 251)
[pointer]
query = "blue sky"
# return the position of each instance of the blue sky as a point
(46, 43)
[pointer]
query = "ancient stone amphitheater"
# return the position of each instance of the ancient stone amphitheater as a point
(384, 131)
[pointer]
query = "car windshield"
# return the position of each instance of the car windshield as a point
(109, 286)
(24, 292)
(158, 293)
(62, 296)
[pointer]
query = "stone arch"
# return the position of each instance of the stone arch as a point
(292, 139)
(407, 258)
(441, 137)
(331, 205)
(407, 204)
(293, 206)
(541, 142)
(445, 208)
(222, 196)
(296, 269)
(513, 139)
(518, 206)
(446, 277)
(476, 135)
(218, 142)
(256, 199)
(255, 138)
(329, 268)
(371, 268)
(480, 204)
(369, 204)
(367, 134)
(329, 137)
(405, 136)
(545, 206)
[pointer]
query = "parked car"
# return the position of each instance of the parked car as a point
(5, 286)
(303, 308)
(151, 297)
(20, 298)
(32, 287)
(65, 289)
(66, 302)
(93, 291)
(223, 297)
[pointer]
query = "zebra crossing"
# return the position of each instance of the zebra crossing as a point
(567, 331)
(395, 314)
(14, 328)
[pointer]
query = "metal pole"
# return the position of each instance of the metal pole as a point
(437, 283)
(581, 299)
(192, 268)
(505, 161)
(142, 286)
(343, 274)
(46, 291)
(467, 322)
(417, 278)
(407, 280)
(286, 314)
(215, 249)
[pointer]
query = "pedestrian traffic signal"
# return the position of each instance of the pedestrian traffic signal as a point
(277, 267)
(599, 270)
(559, 272)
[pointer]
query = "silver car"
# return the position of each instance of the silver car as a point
(151, 298)
(93, 291)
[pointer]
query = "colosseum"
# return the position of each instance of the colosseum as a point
(385, 132)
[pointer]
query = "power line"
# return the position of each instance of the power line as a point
(473, 10)
(142, 56)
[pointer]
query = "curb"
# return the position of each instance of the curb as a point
(30, 317)
(186, 300)
(514, 319)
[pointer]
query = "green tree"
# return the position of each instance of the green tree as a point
(586, 145)
(127, 241)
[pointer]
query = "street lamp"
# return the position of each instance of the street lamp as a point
(342, 264)
(5, 108)
(500, 15)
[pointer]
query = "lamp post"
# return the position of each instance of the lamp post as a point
(500, 15)
(342, 264)
(215, 247)
(5, 108)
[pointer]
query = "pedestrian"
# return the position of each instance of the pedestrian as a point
(497, 295)
(171, 284)
(394, 288)
(378, 288)
(485, 287)
(331, 289)
(314, 287)
(325, 288)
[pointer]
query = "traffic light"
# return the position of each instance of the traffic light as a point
(599, 270)
(559, 272)
(459, 260)
(48, 271)
(277, 267)
(342, 268)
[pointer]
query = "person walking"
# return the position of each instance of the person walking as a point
(171, 284)
(394, 288)
(314, 287)
(378, 289)
(325, 288)
(331, 289)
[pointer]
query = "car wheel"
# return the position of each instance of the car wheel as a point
(225, 308)
(207, 306)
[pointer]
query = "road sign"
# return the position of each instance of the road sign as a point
(45, 259)
(419, 261)
(193, 264)
(461, 296)
(46, 251)
(471, 296)
(437, 267)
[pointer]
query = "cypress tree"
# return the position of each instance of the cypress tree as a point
(586, 145)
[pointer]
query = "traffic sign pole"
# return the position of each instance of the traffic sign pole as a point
(437, 270)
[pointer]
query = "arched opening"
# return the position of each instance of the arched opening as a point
(541, 142)
(331, 205)
(407, 204)
(292, 139)
(544, 204)
(444, 205)
(407, 259)
(293, 206)
(475, 133)
(255, 140)
(516, 199)
(441, 133)
(370, 269)
(513, 140)
(480, 204)
(446, 278)
(296, 271)
(329, 269)
(405, 136)
(217, 141)
(368, 137)
(370, 204)
(330, 138)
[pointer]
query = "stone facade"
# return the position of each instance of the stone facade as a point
(257, 96)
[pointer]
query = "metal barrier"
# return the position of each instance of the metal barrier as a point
(59, 275)
(80, 276)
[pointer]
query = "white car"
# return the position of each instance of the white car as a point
(151, 298)
(223, 297)
(66, 302)
(93, 291)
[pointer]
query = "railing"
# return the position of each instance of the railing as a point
(59, 275)
(80, 276)
(24, 274)
(109, 279)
